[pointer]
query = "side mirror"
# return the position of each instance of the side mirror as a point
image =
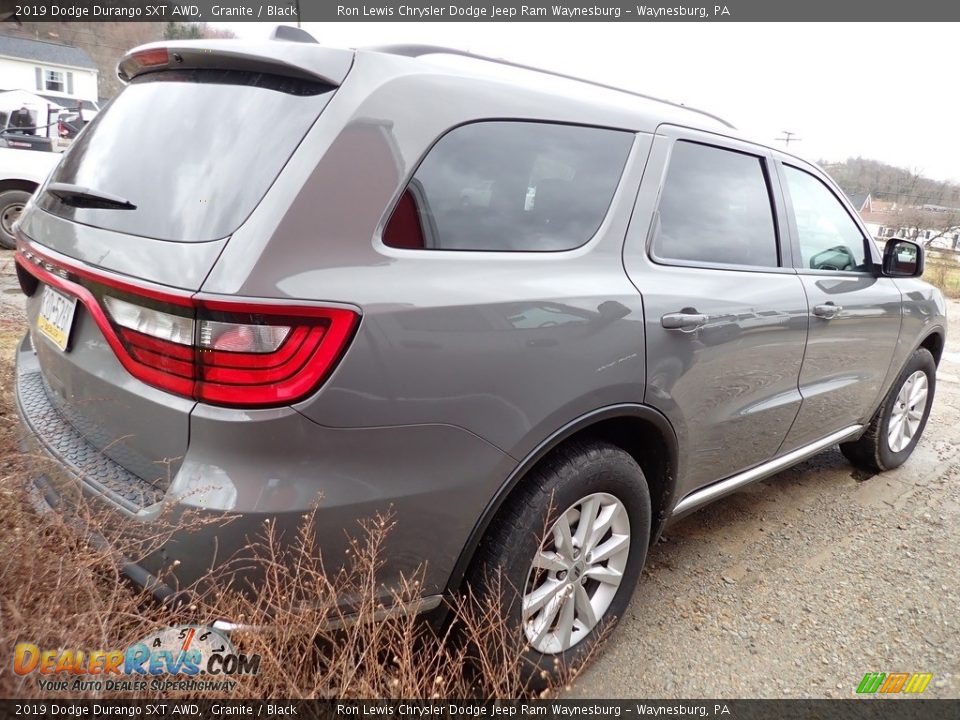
(902, 258)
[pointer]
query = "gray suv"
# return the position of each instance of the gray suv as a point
(496, 300)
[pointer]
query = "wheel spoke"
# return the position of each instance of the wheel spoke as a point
(602, 524)
(605, 575)
(561, 536)
(544, 621)
(588, 515)
(906, 431)
(541, 596)
(565, 621)
(584, 608)
(918, 396)
(547, 560)
(611, 547)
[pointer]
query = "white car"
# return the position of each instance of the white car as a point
(21, 173)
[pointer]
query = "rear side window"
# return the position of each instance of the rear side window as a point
(505, 186)
(829, 238)
(715, 208)
(195, 151)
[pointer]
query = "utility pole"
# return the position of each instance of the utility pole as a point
(788, 137)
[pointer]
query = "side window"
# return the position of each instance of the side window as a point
(829, 238)
(715, 208)
(517, 186)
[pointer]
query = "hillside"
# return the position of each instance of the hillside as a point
(890, 183)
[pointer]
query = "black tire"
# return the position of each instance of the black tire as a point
(872, 451)
(502, 565)
(11, 203)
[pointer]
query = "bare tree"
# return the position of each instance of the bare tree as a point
(925, 224)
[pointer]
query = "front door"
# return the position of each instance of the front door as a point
(854, 312)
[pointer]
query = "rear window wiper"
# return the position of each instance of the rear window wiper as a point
(84, 197)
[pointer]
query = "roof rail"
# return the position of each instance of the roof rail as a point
(415, 51)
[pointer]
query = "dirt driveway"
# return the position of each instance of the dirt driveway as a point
(795, 586)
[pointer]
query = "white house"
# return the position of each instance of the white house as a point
(63, 74)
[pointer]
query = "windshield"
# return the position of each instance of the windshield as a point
(194, 151)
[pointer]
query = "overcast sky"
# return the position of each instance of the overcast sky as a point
(883, 91)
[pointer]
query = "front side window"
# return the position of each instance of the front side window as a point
(510, 186)
(829, 238)
(715, 208)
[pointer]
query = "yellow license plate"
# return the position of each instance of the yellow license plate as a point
(56, 316)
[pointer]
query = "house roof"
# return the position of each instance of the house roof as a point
(858, 200)
(45, 52)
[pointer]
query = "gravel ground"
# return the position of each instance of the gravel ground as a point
(795, 586)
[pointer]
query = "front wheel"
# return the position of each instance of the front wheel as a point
(564, 555)
(896, 427)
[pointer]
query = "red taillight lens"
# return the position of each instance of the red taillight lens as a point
(265, 354)
(244, 354)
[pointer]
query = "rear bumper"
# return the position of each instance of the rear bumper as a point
(248, 471)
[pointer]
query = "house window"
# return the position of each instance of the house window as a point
(54, 81)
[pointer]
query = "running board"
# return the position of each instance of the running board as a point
(717, 490)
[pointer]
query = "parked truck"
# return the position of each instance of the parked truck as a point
(21, 172)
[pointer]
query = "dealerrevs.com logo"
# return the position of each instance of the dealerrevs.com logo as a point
(182, 658)
(889, 683)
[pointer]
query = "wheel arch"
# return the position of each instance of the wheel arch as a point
(18, 184)
(640, 430)
(934, 342)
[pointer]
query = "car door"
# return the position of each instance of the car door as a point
(855, 313)
(724, 311)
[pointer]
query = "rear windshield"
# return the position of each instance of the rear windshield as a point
(194, 151)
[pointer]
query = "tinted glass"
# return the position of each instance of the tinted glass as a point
(715, 208)
(829, 238)
(511, 186)
(195, 151)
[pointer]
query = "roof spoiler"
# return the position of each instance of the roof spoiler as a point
(301, 59)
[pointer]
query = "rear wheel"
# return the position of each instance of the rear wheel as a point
(560, 590)
(896, 427)
(12, 203)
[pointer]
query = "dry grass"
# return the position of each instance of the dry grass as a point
(945, 276)
(59, 592)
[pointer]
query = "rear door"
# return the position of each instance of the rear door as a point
(725, 313)
(854, 312)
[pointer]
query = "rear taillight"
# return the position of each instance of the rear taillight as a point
(267, 354)
(223, 352)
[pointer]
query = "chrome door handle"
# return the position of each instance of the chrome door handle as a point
(827, 311)
(685, 321)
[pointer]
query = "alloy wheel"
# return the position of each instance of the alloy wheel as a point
(908, 410)
(576, 573)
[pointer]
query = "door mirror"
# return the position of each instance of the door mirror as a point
(902, 258)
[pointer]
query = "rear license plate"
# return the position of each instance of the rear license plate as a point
(56, 316)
